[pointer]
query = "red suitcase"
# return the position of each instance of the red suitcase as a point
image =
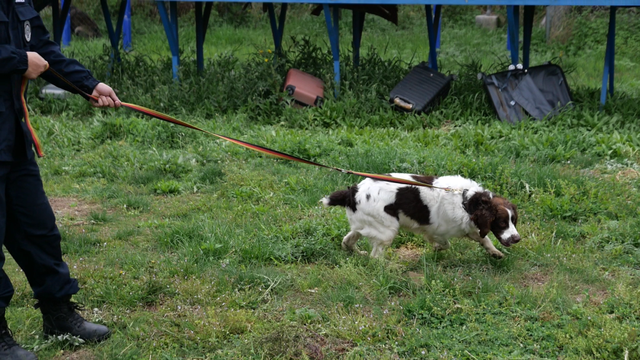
(305, 89)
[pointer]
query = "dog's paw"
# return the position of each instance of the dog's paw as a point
(497, 254)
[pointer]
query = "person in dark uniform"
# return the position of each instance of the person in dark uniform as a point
(27, 224)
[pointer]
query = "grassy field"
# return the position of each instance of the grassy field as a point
(189, 247)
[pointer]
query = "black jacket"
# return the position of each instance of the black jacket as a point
(22, 30)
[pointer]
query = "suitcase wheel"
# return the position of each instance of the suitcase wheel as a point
(290, 89)
(403, 104)
(319, 101)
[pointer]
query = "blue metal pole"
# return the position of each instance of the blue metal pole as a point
(608, 72)
(171, 37)
(358, 26)
(513, 29)
(528, 28)
(439, 22)
(334, 38)
(126, 28)
(66, 31)
(433, 62)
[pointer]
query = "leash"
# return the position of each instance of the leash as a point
(261, 149)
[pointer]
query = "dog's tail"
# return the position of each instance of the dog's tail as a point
(345, 198)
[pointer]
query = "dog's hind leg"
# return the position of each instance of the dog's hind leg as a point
(350, 240)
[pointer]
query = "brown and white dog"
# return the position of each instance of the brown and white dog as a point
(378, 209)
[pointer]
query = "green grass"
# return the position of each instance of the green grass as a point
(189, 247)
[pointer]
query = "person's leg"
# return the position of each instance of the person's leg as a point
(33, 240)
(9, 349)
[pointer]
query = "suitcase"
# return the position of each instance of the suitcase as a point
(420, 90)
(539, 92)
(306, 89)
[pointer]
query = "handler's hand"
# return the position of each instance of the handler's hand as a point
(106, 96)
(37, 65)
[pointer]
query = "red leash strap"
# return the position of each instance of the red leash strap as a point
(264, 150)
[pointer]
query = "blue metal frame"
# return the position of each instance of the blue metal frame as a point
(433, 23)
(60, 16)
(114, 35)
(202, 23)
(609, 57)
(513, 32)
(358, 26)
(126, 28)
(334, 39)
(433, 26)
(529, 11)
(66, 30)
(171, 30)
(277, 26)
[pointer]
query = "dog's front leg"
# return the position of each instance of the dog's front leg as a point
(487, 245)
(349, 243)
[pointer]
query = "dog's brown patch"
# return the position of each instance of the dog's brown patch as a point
(408, 201)
(424, 179)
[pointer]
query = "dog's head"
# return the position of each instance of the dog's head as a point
(494, 214)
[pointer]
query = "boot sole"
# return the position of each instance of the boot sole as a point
(93, 340)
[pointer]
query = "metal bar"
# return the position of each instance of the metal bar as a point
(512, 14)
(118, 30)
(55, 17)
(277, 25)
(66, 28)
(437, 16)
(528, 27)
(334, 37)
(205, 19)
(612, 48)
(173, 6)
(607, 73)
(433, 61)
(107, 20)
(126, 28)
(358, 26)
(173, 44)
(199, 37)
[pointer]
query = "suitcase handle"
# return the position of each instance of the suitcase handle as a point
(403, 104)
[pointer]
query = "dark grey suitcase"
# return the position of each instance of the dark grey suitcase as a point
(420, 90)
(540, 91)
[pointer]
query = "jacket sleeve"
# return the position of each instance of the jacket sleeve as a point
(71, 69)
(13, 60)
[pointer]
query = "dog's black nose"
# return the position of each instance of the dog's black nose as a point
(514, 239)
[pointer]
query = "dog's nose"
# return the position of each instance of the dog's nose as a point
(514, 239)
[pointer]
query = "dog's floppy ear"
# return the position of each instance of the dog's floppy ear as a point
(480, 208)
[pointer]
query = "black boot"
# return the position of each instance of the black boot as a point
(9, 350)
(60, 317)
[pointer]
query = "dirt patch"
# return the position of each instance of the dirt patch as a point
(292, 342)
(75, 355)
(627, 175)
(596, 297)
(535, 280)
(71, 208)
(409, 252)
(416, 277)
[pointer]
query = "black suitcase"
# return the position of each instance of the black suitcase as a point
(420, 90)
(539, 92)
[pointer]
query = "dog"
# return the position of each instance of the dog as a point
(377, 209)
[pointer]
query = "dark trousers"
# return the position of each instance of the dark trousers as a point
(28, 230)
